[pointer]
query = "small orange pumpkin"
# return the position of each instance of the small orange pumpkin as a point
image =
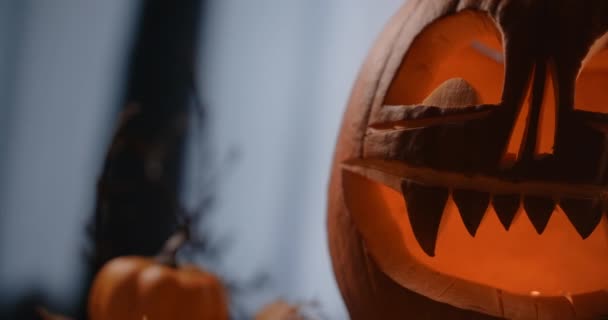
(133, 287)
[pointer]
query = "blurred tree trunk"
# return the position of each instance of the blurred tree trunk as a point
(137, 198)
(138, 188)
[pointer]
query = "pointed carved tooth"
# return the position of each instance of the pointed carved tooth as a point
(425, 207)
(472, 206)
(584, 214)
(539, 211)
(506, 206)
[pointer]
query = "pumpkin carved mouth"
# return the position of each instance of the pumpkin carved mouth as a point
(426, 192)
(557, 263)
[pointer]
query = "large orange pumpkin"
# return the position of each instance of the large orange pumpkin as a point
(469, 180)
(129, 288)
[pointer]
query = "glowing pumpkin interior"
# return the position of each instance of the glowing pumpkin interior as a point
(555, 262)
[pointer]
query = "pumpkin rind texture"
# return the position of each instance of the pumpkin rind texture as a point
(140, 288)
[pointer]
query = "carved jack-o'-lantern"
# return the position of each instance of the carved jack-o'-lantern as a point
(470, 171)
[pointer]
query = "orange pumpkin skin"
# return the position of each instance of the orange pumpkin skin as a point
(140, 288)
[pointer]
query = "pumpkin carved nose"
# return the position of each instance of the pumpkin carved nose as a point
(533, 133)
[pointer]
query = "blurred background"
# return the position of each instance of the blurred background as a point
(273, 76)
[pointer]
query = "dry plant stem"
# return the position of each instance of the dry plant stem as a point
(168, 255)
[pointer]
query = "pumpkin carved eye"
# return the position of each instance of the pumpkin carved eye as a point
(466, 46)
